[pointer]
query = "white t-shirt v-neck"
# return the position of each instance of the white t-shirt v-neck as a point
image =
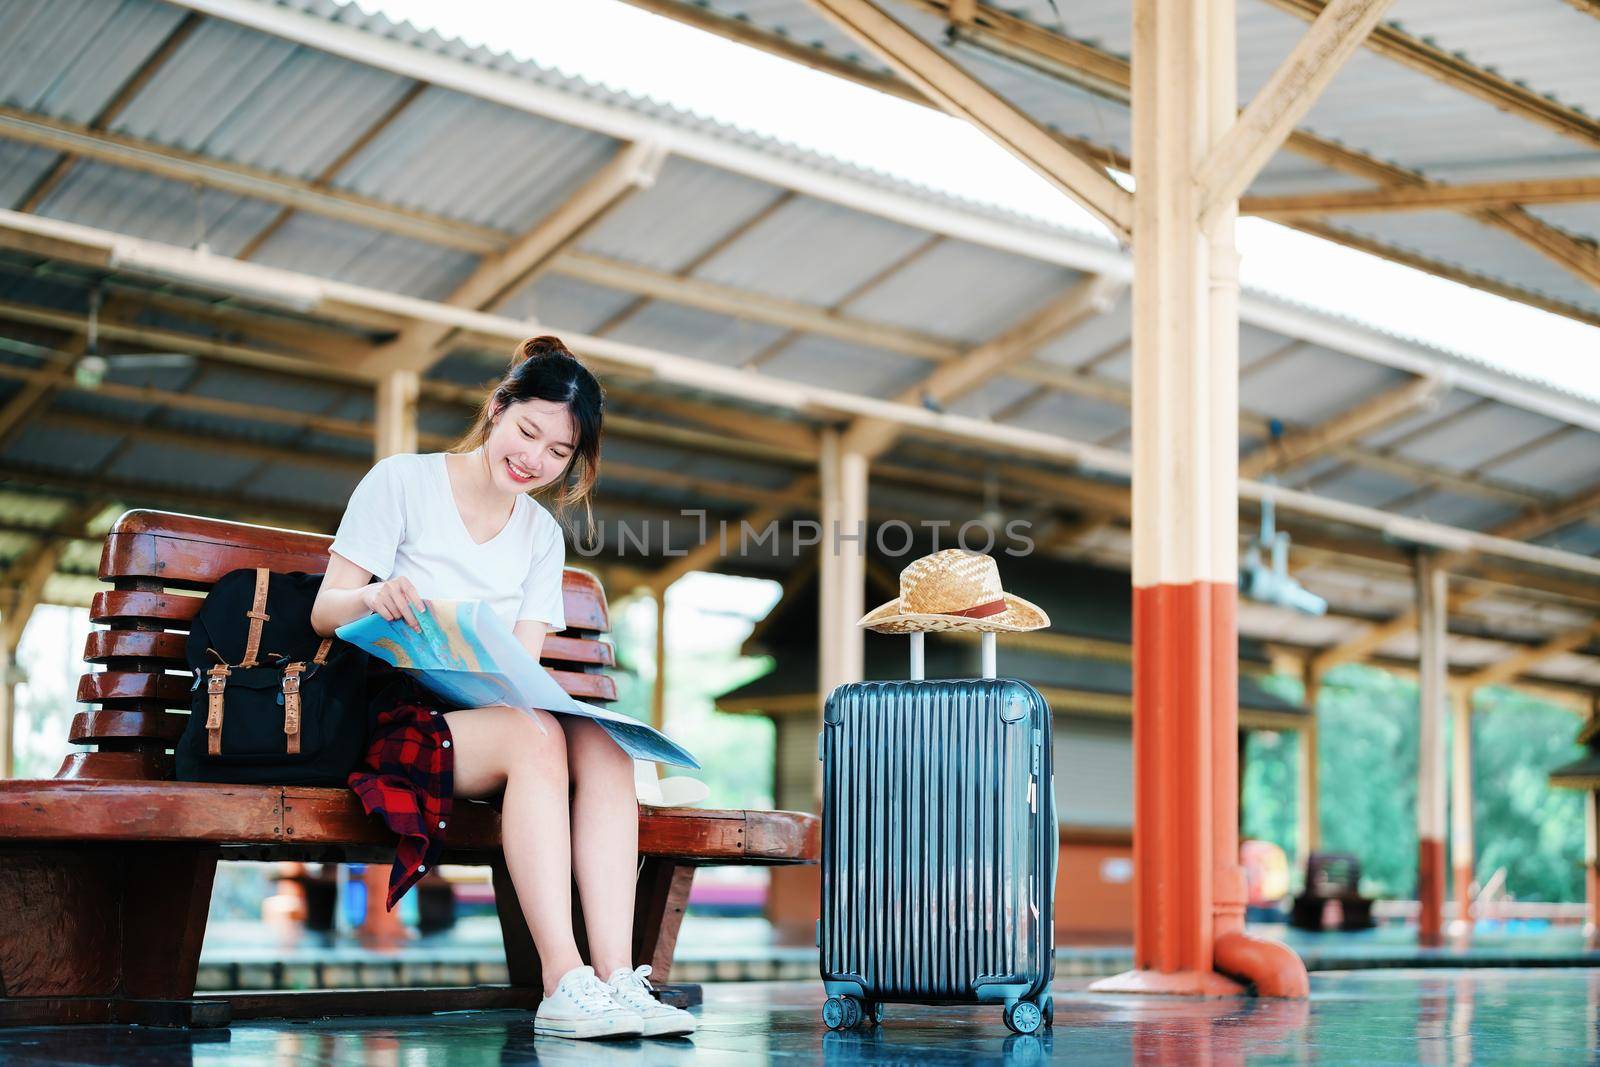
(402, 520)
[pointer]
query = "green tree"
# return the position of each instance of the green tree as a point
(1368, 785)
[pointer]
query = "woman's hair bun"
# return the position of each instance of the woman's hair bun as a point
(545, 346)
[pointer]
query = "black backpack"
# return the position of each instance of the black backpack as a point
(273, 703)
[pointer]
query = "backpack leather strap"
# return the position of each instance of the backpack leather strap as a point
(258, 617)
(216, 683)
(322, 651)
(291, 707)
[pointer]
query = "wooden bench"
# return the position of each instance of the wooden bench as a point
(1331, 877)
(106, 870)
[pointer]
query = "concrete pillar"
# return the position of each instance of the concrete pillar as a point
(1461, 841)
(1308, 836)
(658, 688)
(1189, 888)
(843, 574)
(1433, 675)
(395, 415)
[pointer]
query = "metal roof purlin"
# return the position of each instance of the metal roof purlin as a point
(336, 298)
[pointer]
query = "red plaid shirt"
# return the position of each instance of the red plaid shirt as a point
(408, 782)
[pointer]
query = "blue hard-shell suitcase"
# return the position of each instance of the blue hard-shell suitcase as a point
(938, 847)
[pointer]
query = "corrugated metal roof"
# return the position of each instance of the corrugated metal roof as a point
(66, 58)
(1377, 106)
(235, 94)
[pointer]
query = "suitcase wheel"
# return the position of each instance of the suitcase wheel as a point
(1023, 1016)
(842, 1013)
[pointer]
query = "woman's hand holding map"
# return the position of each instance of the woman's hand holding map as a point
(395, 599)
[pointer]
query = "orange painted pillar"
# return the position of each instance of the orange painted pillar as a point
(1432, 697)
(1189, 888)
(1461, 839)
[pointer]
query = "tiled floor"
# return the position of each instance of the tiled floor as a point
(1543, 1016)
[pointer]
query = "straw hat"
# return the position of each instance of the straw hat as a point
(953, 590)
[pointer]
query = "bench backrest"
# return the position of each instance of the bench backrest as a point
(160, 565)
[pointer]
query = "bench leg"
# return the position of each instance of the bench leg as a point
(112, 923)
(659, 901)
(165, 903)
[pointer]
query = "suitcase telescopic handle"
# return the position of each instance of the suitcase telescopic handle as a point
(919, 662)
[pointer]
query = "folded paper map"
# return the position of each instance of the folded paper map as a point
(469, 657)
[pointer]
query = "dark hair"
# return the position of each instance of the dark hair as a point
(542, 368)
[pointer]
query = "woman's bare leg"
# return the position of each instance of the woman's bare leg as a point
(605, 822)
(503, 747)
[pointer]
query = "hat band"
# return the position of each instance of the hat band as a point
(993, 607)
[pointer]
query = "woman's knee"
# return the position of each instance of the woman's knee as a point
(509, 739)
(592, 751)
(537, 741)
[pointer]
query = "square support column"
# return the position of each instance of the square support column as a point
(1189, 888)
(396, 413)
(1308, 835)
(1461, 839)
(843, 570)
(1433, 695)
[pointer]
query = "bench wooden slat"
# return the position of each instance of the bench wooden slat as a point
(107, 724)
(586, 686)
(103, 646)
(139, 766)
(577, 650)
(168, 690)
(191, 562)
(174, 610)
(278, 815)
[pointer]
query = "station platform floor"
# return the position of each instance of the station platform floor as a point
(1495, 1016)
(251, 956)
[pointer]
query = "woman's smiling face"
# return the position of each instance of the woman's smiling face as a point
(530, 445)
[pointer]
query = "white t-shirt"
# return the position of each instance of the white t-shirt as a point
(402, 520)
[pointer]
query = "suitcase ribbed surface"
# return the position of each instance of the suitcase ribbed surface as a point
(932, 866)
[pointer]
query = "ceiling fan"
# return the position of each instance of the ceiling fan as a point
(93, 366)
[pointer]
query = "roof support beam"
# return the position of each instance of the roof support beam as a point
(149, 158)
(341, 300)
(1108, 75)
(960, 94)
(1456, 72)
(633, 168)
(1572, 254)
(1092, 296)
(1233, 162)
(1538, 521)
(1343, 428)
(756, 307)
(1506, 670)
(1474, 197)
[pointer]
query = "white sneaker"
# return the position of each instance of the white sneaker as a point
(632, 990)
(583, 1006)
